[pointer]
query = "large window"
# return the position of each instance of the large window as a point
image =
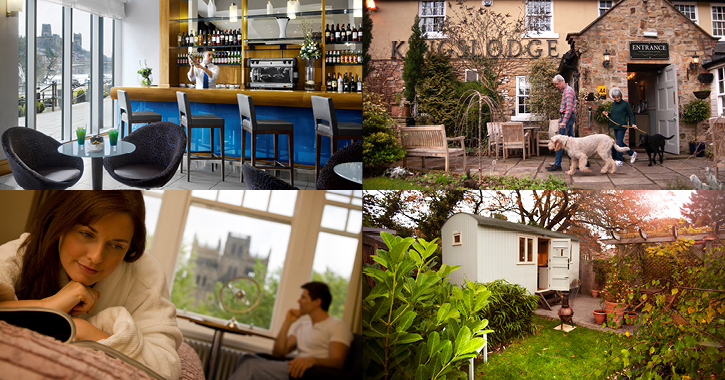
(48, 68)
(432, 16)
(689, 10)
(81, 70)
(22, 66)
(523, 91)
(526, 249)
(107, 68)
(539, 19)
(718, 21)
(720, 91)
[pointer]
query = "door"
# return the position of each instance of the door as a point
(559, 265)
(667, 108)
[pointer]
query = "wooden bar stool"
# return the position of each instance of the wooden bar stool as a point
(129, 117)
(255, 127)
(322, 109)
(189, 121)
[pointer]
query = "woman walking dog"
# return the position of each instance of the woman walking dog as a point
(620, 119)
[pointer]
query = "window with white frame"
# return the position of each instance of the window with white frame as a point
(718, 21)
(688, 9)
(604, 6)
(457, 238)
(539, 19)
(523, 91)
(720, 91)
(526, 249)
(432, 15)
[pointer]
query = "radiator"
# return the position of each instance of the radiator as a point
(226, 363)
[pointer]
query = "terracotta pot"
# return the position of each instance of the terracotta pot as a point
(595, 293)
(397, 111)
(615, 311)
(630, 317)
(600, 316)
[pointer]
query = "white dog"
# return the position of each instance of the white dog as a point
(579, 148)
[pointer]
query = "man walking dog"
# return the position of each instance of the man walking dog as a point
(566, 123)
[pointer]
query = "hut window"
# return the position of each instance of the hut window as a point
(457, 238)
(526, 249)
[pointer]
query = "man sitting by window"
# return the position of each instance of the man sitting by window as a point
(323, 340)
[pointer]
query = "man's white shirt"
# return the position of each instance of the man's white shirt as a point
(197, 74)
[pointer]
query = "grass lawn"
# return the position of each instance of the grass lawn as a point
(550, 354)
(385, 183)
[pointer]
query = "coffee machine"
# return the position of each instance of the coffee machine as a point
(273, 73)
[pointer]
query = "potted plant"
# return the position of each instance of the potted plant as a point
(694, 113)
(617, 291)
(401, 107)
(595, 293)
(600, 315)
(697, 145)
(630, 317)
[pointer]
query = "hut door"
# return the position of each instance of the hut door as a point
(559, 265)
(667, 110)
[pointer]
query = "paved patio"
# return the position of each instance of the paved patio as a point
(583, 306)
(637, 176)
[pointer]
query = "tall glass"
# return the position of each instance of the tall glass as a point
(113, 136)
(81, 134)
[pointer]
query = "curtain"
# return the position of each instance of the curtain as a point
(104, 8)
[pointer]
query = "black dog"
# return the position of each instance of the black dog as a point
(653, 144)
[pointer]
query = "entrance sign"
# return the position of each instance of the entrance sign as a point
(649, 50)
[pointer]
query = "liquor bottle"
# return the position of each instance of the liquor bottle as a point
(360, 33)
(186, 39)
(327, 33)
(349, 33)
(345, 84)
(334, 83)
(328, 83)
(337, 34)
(354, 33)
(359, 84)
(359, 56)
(178, 40)
(339, 83)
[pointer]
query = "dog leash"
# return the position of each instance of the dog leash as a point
(621, 125)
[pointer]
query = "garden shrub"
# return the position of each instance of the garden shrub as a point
(381, 146)
(695, 111)
(39, 107)
(599, 116)
(414, 58)
(21, 111)
(437, 91)
(510, 312)
(544, 98)
(416, 325)
(684, 340)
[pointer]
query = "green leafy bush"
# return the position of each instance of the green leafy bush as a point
(599, 116)
(416, 325)
(21, 111)
(544, 98)
(437, 90)
(510, 312)
(39, 107)
(695, 111)
(381, 146)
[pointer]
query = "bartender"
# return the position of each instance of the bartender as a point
(204, 73)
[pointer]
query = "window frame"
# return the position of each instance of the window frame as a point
(604, 9)
(549, 34)
(432, 34)
(722, 21)
(720, 90)
(696, 20)
(521, 116)
(529, 257)
(458, 241)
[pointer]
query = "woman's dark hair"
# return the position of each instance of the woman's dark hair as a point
(40, 276)
(319, 290)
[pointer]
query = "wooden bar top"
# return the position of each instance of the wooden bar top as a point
(281, 98)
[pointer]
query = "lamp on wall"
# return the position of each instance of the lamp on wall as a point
(693, 65)
(12, 7)
(233, 12)
(292, 8)
(605, 63)
(371, 5)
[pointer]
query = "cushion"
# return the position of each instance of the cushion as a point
(191, 368)
(145, 116)
(139, 171)
(59, 174)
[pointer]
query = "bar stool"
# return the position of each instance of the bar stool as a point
(322, 109)
(130, 117)
(255, 127)
(189, 121)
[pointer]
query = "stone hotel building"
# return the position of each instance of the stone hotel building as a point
(656, 52)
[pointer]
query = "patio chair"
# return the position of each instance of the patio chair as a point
(544, 137)
(513, 137)
(494, 136)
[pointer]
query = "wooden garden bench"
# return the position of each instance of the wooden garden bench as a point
(430, 141)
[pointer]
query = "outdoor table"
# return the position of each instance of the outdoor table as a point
(75, 150)
(351, 171)
(219, 330)
(534, 129)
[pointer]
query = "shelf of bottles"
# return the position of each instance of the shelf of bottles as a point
(302, 14)
(343, 83)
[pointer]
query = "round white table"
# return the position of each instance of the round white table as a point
(75, 150)
(351, 171)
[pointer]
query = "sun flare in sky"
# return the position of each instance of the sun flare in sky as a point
(667, 203)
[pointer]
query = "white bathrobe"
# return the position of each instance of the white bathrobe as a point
(133, 308)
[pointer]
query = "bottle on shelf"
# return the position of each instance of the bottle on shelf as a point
(345, 84)
(360, 33)
(339, 82)
(359, 84)
(349, 33)
(354, 33)
(334, 83)
(337, 34)
(178, 40)
(327, 33)
(270, 10)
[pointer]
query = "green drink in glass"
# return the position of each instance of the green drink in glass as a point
(113, 136)
(81, 134)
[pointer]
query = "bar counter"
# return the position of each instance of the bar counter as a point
(294, 106)
(282, 98)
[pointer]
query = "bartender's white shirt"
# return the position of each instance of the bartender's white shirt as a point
(198, 75)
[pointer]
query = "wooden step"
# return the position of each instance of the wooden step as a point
(548, 298)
